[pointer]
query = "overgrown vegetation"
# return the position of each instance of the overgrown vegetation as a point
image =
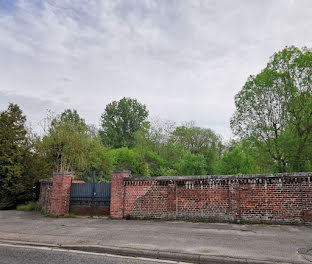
(272, 124)
(274, 112)
(21, 165)
(30, 206)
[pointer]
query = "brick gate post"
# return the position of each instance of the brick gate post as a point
(60, 193)
(117, 194)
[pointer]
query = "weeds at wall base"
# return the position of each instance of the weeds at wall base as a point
(51, 215)
(70, 216)
(30, 206)
(214, 220)
(59, 216)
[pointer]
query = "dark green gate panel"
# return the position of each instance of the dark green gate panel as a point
(89, 198)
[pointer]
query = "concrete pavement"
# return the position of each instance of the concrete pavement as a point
(195, 242)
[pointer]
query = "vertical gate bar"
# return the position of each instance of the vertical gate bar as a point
(93, 192)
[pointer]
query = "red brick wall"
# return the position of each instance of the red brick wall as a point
(117, 193)
(60, 194)
(274, 197)
(197, 199)
(149, 200)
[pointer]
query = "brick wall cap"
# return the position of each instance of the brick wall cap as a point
(50, 180)
(62, 173)
(224, 177)
(121, 171)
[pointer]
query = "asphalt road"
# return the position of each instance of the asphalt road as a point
(27, 255)
(272, 243)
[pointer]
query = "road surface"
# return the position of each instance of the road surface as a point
(30, 255)
(271, 243)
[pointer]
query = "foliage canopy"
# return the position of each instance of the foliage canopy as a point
(20, 165)
(121, 120)
(274, 108)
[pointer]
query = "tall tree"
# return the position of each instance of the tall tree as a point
(65, 142)
(12, 148)
(197, 140)
(275, 108)
(71, 145)
(121, 120)
(18, 160)
(72, 116)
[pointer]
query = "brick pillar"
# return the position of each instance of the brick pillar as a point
(60, 193)
(117, 194)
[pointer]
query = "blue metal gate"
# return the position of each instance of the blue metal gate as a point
(90, 198)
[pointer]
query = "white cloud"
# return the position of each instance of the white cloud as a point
(184, 59)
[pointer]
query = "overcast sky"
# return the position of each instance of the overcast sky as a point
(184, 59)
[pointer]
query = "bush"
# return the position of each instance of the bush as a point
(31, 206)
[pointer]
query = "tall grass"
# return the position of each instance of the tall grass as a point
(31, 206)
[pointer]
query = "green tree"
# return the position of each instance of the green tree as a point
(13, 144)
(128, 159)
(99, 160)
(184, 150)
(238, 159)
(71, 116)
(65, 143)
(192, 164)
(71, 145)
(275, 108)
(151, 146)
(121, 120)
(20, 165)
(197, 140)
(154, 147)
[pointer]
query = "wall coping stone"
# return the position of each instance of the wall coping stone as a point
(62, 173)
(121, 171)
(223, 177)
(49, 180)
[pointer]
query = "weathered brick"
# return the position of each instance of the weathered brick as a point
(117, 193)
(60, 194)
(274, 197)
